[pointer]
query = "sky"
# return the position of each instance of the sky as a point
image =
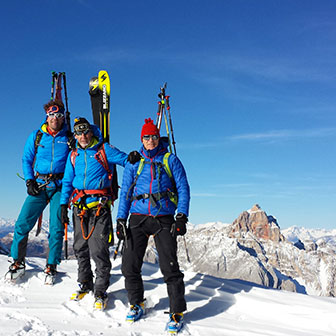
(216, 307)
(252, 87)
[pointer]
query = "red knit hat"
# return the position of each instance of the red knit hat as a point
(149, 128)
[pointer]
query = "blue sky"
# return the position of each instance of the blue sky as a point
(252, 86)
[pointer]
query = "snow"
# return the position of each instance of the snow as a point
(215, 307)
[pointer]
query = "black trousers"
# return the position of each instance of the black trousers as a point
(140, 228)
(96, 247)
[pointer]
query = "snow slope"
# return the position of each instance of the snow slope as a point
(215, 307)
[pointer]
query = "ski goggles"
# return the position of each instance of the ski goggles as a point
(55, 115)
(147, 137)
(82, 129)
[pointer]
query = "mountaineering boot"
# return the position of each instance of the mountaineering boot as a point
(100, 302)
(135, 312)
(16, 271)
(84, 288)
(175, 323)
(50, 274)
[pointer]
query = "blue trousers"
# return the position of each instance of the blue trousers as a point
(30, 212)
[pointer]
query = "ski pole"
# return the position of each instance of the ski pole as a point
(170, 123)
(66, 240)
(67, 113)
(116, 250)
(53, 76)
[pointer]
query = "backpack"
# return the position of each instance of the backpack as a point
(100, 156)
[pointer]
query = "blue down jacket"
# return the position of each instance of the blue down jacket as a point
(154, 179)
(50, 157)
(88, 173)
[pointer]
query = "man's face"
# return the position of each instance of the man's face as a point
(84, 138)
(55, 121)
(55, 118)
(150, 141)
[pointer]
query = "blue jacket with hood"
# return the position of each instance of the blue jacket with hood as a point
(49, 157)
(87, 173)
(154, 179)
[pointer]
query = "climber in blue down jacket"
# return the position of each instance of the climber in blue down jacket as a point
(153, 189)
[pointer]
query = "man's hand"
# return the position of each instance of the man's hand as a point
(32, 187)
(179, 228)
(64, 214)
(121, 229)
(133, 157)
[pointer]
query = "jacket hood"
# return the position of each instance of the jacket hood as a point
(63, 130)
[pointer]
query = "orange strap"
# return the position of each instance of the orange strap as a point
(81, 215)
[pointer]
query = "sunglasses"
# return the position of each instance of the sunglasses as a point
(82, 129)
(147, 137)
(55, 115)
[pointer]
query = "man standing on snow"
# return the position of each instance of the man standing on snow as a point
(87, 184)
(43, 162)
(152, 190)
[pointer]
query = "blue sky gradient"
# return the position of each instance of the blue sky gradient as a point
(252, 86)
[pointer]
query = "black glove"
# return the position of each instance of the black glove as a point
(133, 157)
(64, 214)
(121, 229)
(179, 228)
(72, 142)
(32, 187)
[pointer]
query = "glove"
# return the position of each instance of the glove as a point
(121, 229)
(133, 157)
(71, 142)
(64, 214)
(32, 187)
(179, 228)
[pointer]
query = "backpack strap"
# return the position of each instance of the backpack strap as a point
(73, 156)
(37, 139)
(172, 194)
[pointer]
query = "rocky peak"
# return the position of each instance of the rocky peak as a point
(258, 223)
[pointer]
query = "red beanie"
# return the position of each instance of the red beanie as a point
(149, 128)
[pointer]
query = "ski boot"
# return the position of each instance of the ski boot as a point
(50, 274)
(100, 302)
(84, 288)
(16, 271)
(175, 323)
(135, 312)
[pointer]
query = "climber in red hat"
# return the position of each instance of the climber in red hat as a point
(153, 190)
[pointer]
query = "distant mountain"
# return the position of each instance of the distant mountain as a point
(37, 246)
(295, 234)
(253, 248)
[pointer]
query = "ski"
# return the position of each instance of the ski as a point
(99, 90)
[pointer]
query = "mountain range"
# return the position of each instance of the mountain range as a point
(252, 248)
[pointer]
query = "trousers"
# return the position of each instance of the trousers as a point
(95, 246)
(30, 212)
(140, 228)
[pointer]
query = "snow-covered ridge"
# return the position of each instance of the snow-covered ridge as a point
(215, 307)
